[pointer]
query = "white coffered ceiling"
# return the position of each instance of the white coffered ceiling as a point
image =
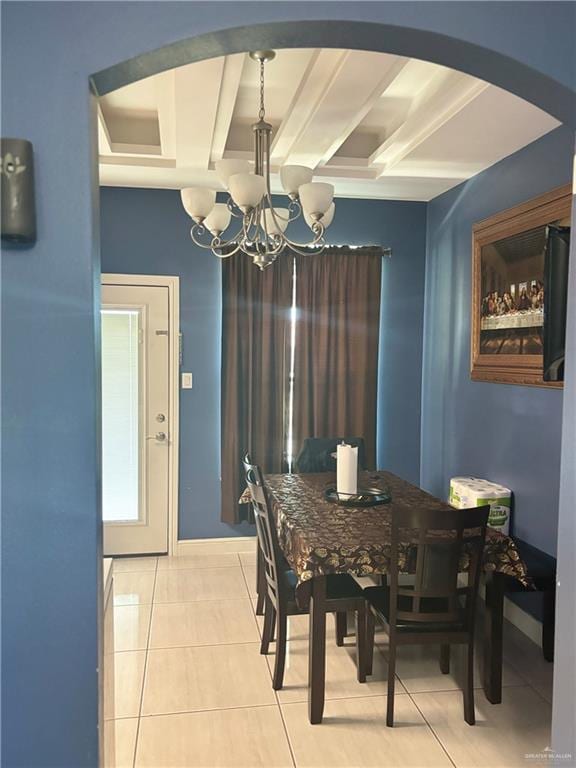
(375, 125)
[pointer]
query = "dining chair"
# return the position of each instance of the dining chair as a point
(316, 453)
(433, 609)
(342, 591)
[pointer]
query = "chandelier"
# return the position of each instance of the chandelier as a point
(261, 227)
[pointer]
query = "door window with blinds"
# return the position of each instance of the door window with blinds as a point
(121, 414)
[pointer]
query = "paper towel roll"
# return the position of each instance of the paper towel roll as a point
(346, 469)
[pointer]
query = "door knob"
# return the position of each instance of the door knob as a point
(159, 436)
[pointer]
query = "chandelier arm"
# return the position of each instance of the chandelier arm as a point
(233, 208)
(200, 230)
(223, 245)
(317, 240)
(197, 231)
(294, 205)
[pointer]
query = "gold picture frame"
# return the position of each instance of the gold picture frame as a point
(508, 290)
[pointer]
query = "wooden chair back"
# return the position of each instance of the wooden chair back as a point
(265, 529)
(316, 453)
(439, 542)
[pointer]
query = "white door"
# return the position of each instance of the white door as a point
(135, 418)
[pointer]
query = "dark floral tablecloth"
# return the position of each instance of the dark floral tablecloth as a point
(319, 537)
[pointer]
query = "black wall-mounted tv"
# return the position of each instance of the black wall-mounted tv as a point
(556, 297)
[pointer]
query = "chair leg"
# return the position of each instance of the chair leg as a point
(341, 627)
(361, 644)
(370, 627)
(268, 629)
(445, 659)
(280, 659)
(391, 682)
(469, 714)
(260, 582)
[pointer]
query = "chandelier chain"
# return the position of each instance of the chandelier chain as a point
(262, 112)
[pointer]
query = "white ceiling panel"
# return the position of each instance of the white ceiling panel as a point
(375, 125)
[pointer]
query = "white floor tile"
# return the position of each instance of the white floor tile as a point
(181, 586)
(527, 660)
(133, 588)
(418, 667)
(216, 560)
(233, 738)
(209, 622)
(503, 735)
(132, 564)
(206, 677)
(131, 627)
(120, 742)
(250, 574)
(128, 682)
(353, 733)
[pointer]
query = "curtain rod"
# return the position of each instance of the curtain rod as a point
(366, 250)
(378, 250)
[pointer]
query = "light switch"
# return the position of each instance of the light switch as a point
(186, 381)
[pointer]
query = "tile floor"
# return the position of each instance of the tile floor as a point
(192, 690)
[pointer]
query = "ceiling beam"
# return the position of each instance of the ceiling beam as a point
(166, 100)
(337, 91)
(197, 92)
(104, 142)
(447, 94)
(231, 77)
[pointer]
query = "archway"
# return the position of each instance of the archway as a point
(496, 68)
(482, 63)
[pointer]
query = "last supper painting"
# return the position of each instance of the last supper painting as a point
(509, 290)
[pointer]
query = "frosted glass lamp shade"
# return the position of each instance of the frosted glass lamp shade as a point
(276, 227)
(316, 197)
(247, 190)
(326, 219)
(293, 176)
(218, 219)
(198, 202)
(329, 215)
(226, 168)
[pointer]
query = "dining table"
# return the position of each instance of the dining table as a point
(319, 537)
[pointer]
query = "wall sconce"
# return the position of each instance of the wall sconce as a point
(18, 205)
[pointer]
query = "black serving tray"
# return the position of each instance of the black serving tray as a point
(366, 497)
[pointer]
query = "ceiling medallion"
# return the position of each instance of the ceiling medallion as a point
(261, 230)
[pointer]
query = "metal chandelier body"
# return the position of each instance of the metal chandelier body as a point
(261, 230)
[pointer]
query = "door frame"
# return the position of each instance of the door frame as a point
(172, 283)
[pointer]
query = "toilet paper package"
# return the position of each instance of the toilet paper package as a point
(467, 492)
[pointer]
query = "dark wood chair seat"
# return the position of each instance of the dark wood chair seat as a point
(379, 600)
(279, 587)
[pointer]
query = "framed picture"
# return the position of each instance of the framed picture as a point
(508, 296)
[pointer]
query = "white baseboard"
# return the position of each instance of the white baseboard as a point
(523, 621)
(228, 545)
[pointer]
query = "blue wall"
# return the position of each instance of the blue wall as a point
(508, 434)
(147, 232)
(50, 526)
